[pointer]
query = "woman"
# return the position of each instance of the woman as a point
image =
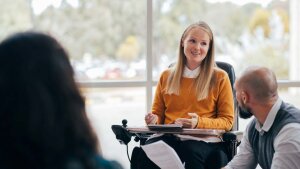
(196, 94)
(43, 121)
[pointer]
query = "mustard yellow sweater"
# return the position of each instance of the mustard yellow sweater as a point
(215, 112)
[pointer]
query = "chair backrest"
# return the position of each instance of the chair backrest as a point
(231, 74)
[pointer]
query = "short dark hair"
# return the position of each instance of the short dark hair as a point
(42, 113)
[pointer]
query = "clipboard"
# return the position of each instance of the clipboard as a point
(164, 127)
(176, 130)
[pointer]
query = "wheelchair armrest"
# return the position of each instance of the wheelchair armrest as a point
(233, 136)
(233, 140)
(122, 134)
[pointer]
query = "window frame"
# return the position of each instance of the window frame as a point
(149, 82)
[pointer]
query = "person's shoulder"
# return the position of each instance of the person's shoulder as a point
(290, 108)
(96, 162)
(289, 135)
(220, 73)
(165, 74)
(106, 164)
(167, 71)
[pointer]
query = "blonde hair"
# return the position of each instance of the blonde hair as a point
(204, 81)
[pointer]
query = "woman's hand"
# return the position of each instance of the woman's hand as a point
(188, 123)
(151, 118)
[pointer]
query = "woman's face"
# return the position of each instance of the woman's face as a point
(195, 46)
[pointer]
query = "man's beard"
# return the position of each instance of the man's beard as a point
(244, 113)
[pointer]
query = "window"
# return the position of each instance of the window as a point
(119, 48)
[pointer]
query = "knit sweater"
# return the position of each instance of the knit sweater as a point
(215, 112)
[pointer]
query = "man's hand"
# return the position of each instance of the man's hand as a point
(151, 118)
(188, 123)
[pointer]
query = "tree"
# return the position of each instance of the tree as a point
(14, 18)
(260, 19)
(128, 50)
(95, 27)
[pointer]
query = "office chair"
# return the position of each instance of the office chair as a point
(231, 139)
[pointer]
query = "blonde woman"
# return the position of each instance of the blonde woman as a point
(196, 94)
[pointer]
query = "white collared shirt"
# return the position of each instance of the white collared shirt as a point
(191, 73)
(270, 118)
(286, 145)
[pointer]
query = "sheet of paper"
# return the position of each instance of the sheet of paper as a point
(163, 155)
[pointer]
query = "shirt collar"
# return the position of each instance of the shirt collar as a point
(191, 73)
(270, 118)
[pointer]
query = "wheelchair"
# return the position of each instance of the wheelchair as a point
(231, 139)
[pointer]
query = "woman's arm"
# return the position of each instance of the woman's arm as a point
(158, 106)
(224, 106)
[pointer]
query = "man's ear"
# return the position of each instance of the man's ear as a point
(245, 97)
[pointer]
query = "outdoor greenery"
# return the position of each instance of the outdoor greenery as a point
(115, 31)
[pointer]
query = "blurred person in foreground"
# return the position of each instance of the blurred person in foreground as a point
(196, 94)
(272, 138)
(43, 122)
